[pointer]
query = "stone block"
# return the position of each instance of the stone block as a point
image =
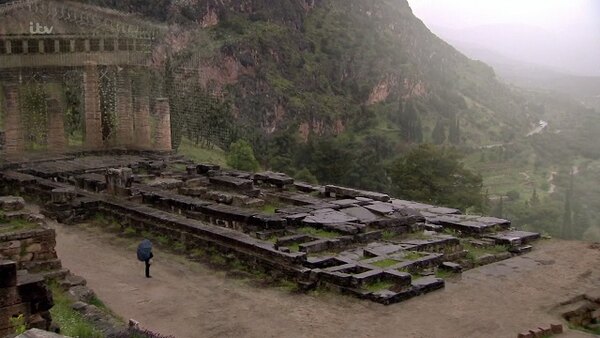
(361, 213)
(342, 192)
(278, 179)
(485, 259)
(450, 266)
(428, 284)
(232, 183)
(63, 195)
(204, 168)
(519, 250)
(327, 216)
(81, 293)
(556, 328)
(527, 334)
(380, 208)
(38, 333)
(34, 248)
(12, 203)
(305, 187)
(315, 246)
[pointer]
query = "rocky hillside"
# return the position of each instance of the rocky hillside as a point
(323, 67)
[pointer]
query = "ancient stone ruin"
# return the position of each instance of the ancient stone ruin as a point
(70, 77)
(363, 243)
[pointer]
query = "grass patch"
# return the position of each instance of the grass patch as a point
(199, 154)
(475, 252)
(386, 263)
(388, 235)
(269, 209)
(178, 167)
(378, 286)
(413, 255)
(17, 225)
(71, 322)
(584, 329)
(98, 303)
(294, 247)
(163, 240)
(129, 232)
(180, 247)
(318, 232)
(444, 274)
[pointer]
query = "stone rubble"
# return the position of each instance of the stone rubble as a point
(363, 243)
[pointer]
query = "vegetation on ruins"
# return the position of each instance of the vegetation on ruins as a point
(72, 323)
(241, 157)
(19, 324)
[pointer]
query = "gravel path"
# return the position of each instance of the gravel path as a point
(188, 299)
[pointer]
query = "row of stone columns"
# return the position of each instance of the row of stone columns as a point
(133, 126)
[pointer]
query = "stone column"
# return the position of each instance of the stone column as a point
(93, 114)
(124, 109)
(13, 127)
(142, 116)
(163, 127)
(57, 140)
(118, 181)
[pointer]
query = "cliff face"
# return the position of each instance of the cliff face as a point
(317, 66)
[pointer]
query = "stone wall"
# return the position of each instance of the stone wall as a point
(25, 295)
(32, 250)
(31, 245)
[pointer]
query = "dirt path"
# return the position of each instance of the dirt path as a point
(190, 300)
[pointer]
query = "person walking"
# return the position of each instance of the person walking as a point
(144, 254)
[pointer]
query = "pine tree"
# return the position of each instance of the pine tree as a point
(567, 229)
(454, 133)
(410, 123)
(535, 199)
(439, 133)
(499, 212)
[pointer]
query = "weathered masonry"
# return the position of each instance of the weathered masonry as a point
(364, 243)
(73, 76)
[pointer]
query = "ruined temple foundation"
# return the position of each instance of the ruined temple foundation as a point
(163, 128)
(15, 140)
(93, 115)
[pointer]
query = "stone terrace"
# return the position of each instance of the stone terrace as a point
(363, 243)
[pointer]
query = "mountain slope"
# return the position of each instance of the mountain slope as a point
(318, 66)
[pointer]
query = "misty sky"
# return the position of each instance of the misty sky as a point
(562, 34)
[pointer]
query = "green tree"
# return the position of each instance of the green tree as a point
(304, 175)
(436, 175)
(535, 198)
(241, 156)
(410, 122)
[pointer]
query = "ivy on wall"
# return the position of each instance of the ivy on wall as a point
(34, 115)
(108, 104)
